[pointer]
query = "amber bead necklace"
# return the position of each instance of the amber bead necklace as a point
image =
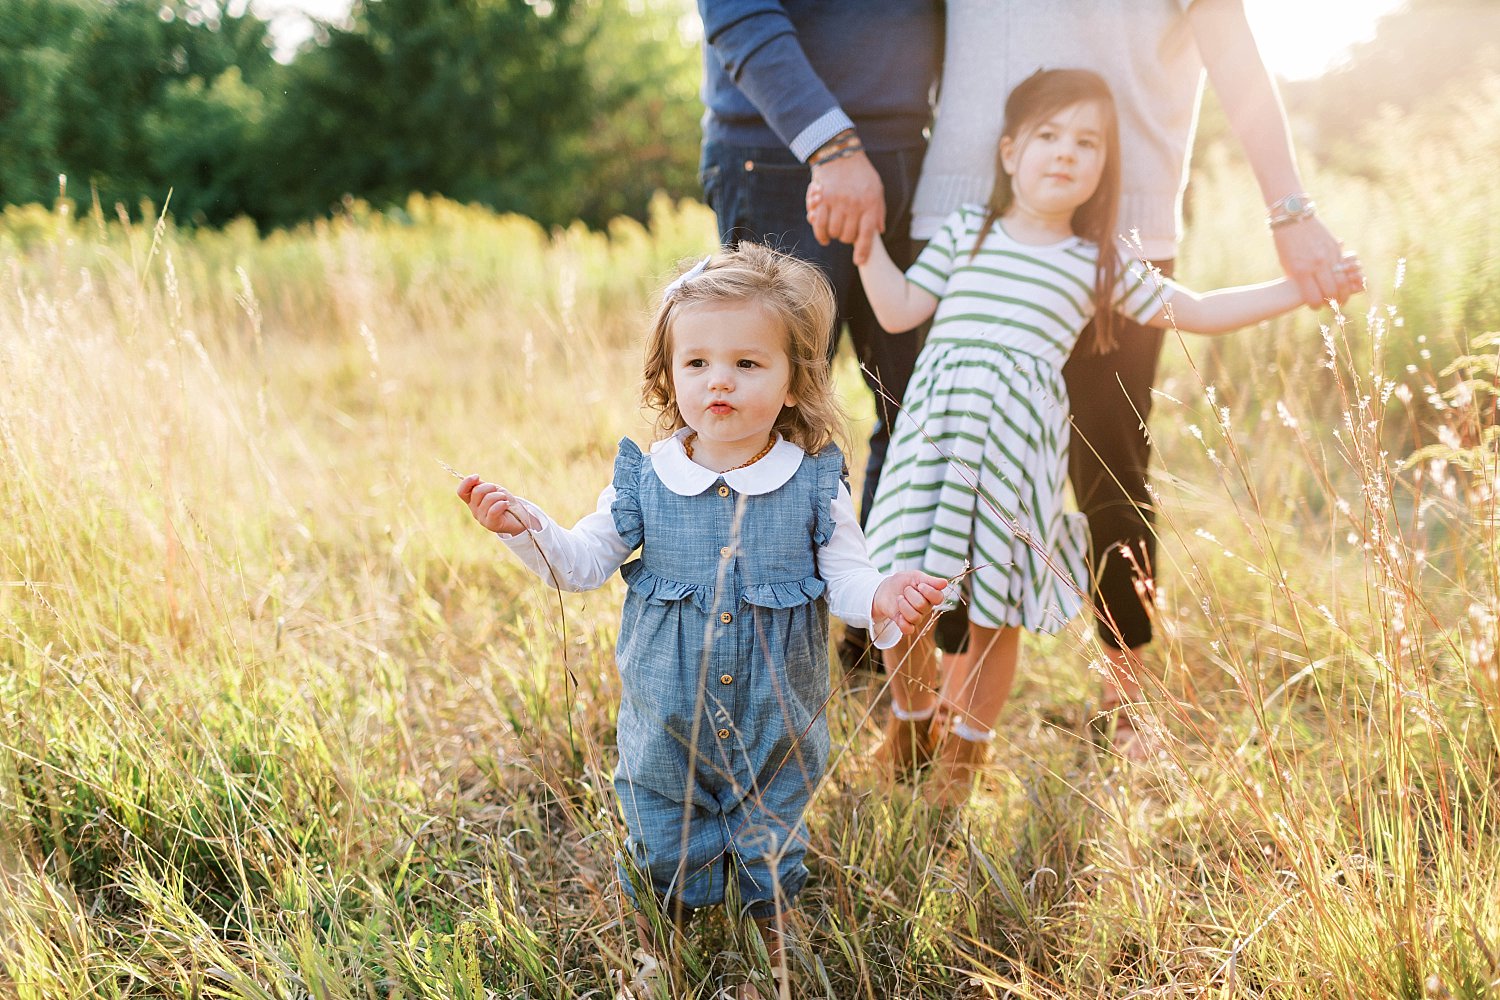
(687, 446)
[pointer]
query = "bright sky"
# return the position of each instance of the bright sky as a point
(1302, 38)
(289, 24)
(1298, 38)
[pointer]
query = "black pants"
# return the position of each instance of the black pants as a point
(759, 194)
(1108, 463)
(1109, 456)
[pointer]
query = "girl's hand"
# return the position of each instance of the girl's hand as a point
(1350, 276)
(814, 198)
(493, 507)
(907, 599)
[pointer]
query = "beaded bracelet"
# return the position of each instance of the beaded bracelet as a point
(837, 154)
(846, 143)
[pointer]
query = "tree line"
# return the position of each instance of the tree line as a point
(557, 109)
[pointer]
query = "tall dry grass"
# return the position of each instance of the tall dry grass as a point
(277, 721)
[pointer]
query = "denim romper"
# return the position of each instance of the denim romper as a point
(723, 657)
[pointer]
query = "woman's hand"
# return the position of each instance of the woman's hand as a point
(494, 507)
(1310, 258)
(907, 598)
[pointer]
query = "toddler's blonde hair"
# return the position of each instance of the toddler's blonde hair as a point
(792, 292)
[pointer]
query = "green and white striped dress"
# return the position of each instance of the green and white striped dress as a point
(979, 454)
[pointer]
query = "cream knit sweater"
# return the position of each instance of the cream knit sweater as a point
(1144, 49)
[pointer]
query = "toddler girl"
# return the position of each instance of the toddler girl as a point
(975, 473)
(747, 539)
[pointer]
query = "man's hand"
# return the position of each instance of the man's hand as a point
(850, 206)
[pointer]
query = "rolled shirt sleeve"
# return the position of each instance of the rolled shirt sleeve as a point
(756, 44)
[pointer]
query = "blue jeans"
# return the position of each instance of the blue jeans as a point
(759, 194)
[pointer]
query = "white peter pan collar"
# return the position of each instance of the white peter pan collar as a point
(687, 478)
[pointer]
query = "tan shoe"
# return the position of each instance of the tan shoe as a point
(1114, 728)
(907, 748)
(955, 767)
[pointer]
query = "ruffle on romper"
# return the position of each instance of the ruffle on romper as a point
(784, 595)
(626, 509)
(659, 590)
(630, 525)
(830, 474)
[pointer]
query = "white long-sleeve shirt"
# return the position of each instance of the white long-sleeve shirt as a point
(588, 554)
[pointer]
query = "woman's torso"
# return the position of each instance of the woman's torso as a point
(1144, 49)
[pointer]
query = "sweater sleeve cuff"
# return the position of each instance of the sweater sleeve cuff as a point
(825, 127)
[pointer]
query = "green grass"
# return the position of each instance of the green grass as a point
(277, 720)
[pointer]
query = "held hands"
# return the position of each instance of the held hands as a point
(495, 508)
(1350, 274)
(907, 598)
(1314, 261)
(846, 202)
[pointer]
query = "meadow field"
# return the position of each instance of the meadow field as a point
(277, 720)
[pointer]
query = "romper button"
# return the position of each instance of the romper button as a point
(723, 734)
(726, 618)
(723, 491)
(724, 552)
(726, 679)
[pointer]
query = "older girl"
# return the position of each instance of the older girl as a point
(974, 478)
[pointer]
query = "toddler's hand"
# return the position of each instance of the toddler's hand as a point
(907, 599)
(495, 508)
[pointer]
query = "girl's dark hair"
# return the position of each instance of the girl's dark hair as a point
(1034, 100)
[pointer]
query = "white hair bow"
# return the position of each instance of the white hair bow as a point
(685, 277)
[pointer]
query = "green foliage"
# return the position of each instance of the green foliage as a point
(644, 134)
(128, 75)
(34, 63)
(475, 100)
(134, 98)
(559, 111)
(203, 137)
(573, 109)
